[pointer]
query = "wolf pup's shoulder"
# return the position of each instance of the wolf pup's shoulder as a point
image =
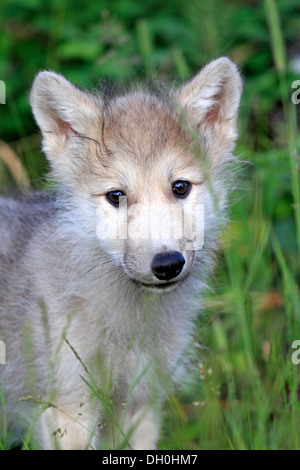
(20, 215)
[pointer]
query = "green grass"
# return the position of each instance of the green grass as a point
(243, 394)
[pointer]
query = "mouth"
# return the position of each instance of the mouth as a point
(161, 287)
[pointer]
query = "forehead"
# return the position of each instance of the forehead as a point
(144, 142)
(142, 127)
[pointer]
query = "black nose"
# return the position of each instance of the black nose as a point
(166, 266)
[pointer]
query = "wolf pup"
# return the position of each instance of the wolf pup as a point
(100, 280)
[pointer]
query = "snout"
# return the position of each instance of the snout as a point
(167, 266)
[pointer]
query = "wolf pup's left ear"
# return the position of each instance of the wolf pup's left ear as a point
(211, 101)
(61, 110)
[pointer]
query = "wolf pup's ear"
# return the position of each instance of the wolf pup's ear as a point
(62, 111)
(210, 102)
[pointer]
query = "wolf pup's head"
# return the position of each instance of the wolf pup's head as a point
(146, 171)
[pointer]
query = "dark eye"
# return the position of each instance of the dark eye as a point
(113, 197)
(181, 188)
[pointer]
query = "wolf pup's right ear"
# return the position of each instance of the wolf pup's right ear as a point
(62, 111)
(210, 102)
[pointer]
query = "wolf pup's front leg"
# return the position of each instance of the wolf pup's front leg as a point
(70, 429)
(145, 429)
(137, 429)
